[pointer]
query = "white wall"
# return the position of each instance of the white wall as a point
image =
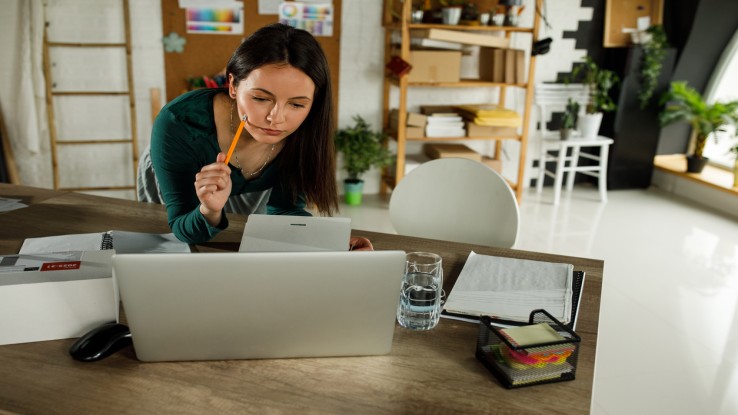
(75, 69)
(360, 82)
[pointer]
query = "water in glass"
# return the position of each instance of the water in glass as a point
(420, 301)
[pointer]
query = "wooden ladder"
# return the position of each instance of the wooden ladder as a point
(81, 143)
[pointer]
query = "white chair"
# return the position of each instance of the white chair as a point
(554, 97)
(457, 200)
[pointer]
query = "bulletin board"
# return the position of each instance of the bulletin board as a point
(206, 54)
(621, 14)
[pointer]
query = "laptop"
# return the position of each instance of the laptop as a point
(280, 233)
(218, 306)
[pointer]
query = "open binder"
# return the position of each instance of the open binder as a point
(576, 294)
(508, 289)
(123, 242)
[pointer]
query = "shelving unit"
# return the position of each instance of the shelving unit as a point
(393, 8)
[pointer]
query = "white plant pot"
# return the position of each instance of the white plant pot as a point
(451, 15)
(589, 125)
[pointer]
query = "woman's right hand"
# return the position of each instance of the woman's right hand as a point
(213, 187)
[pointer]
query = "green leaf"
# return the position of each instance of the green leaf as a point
(685, 104)
(362, 148)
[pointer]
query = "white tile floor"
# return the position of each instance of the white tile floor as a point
(668, 338)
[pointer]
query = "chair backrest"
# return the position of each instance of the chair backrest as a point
(549, 98)
(457, 200)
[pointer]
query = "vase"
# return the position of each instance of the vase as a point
(589, 125)
(696, 164)
(353, 189)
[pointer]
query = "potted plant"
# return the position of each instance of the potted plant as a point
(684, 103)
(654, 52)
(469, 14)
(600, 81)
(569, 119)
(362, 149)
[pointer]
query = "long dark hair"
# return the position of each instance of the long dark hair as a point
(307, 163)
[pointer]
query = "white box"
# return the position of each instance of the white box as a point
(56, 302)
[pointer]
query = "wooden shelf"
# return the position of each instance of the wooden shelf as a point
(711, 176)
(390, 181)
(430, 139)
(398, 25)
(397, 20)
(464, 83)
(393, 134)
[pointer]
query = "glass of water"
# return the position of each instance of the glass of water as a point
(420, 295)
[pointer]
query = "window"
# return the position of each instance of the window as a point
(723, 86)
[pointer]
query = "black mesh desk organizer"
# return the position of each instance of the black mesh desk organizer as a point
(533, 364)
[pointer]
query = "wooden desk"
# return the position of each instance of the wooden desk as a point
(426, 372)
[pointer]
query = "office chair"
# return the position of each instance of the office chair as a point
(457, 200)
(566, 153)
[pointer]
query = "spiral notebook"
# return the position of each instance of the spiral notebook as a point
(123, 242)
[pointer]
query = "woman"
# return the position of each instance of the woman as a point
(279, 82)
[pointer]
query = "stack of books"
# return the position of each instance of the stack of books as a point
(490, 115)
(445, 125)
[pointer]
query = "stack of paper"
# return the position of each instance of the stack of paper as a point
(445, 125)
(510, 288)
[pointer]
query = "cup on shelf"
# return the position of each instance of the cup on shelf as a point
(484, 19)
(498, 19)
(451, 15)
(421, 291)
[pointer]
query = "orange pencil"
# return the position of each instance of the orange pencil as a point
(235, 140)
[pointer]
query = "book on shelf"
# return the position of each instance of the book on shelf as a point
(490, 115)
(439, 132)
(462, 37)
(425, 43)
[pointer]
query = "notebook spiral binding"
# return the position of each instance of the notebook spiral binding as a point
(107, 241)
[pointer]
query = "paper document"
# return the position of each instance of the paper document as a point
(123, 242)
(6, 205)
(510, 288)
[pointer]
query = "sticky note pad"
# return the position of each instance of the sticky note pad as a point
(531, 335)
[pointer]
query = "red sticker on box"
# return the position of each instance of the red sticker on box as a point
(59, 266)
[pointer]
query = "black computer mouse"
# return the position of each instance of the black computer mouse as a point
(101, 342)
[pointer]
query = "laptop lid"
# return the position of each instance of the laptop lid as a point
(280, 233)
(215, 306)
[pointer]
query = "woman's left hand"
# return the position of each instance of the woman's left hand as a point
(358, 243)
